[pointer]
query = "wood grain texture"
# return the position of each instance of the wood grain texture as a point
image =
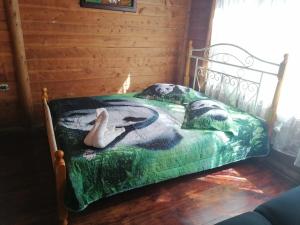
(76, 51)
(80, 51)
(202, 198)
(9, 101)
(281, 78)
(16, 33)
(60, 177)
(200, 18)
(184, 47)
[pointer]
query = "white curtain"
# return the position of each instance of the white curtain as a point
(269, 29)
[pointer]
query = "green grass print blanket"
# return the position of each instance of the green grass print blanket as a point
(153, 147)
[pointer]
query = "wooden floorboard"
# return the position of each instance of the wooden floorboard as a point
(27, 192)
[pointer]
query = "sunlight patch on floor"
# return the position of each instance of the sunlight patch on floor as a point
(232, 178)
(164, 197)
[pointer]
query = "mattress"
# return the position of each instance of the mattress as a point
(152, 149)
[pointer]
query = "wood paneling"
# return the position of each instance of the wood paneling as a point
(9, 105)
(77, 51)
(199, 22)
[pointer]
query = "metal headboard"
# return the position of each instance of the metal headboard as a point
(232, 66)
(228, 66)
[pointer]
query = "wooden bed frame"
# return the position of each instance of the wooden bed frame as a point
(58, 162)
(202, 58)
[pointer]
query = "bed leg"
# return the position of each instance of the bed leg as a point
(60, 170)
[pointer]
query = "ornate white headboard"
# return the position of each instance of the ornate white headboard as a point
(233, 75)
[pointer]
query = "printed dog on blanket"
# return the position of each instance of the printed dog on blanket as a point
(167, 89)
(141, 125)
(209, 108)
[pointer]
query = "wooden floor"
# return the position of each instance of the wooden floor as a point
(27, 192)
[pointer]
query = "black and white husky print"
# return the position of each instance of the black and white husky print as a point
(208, 108)
(172, 93)
(143, 125)
(161, 89)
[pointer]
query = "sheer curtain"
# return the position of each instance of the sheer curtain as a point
(269, 29)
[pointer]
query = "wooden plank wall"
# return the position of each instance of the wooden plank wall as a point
(9, 105)
(77, 51)
(199, 22)
(200, 18)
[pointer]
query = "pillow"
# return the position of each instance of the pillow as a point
(170, 93)
(208, 115)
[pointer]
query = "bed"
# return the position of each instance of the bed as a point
(154, 147)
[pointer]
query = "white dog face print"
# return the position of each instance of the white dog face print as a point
(208, 108)
(164, 89)
(142, 125)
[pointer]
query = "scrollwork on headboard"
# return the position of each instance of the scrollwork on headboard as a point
(231, 74)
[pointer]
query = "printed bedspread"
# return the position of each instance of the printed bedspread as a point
(153, 147)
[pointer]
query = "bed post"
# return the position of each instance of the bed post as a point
(187, 64)
(280, 76)
(58, 162)
(60, 171)
(45, 94)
